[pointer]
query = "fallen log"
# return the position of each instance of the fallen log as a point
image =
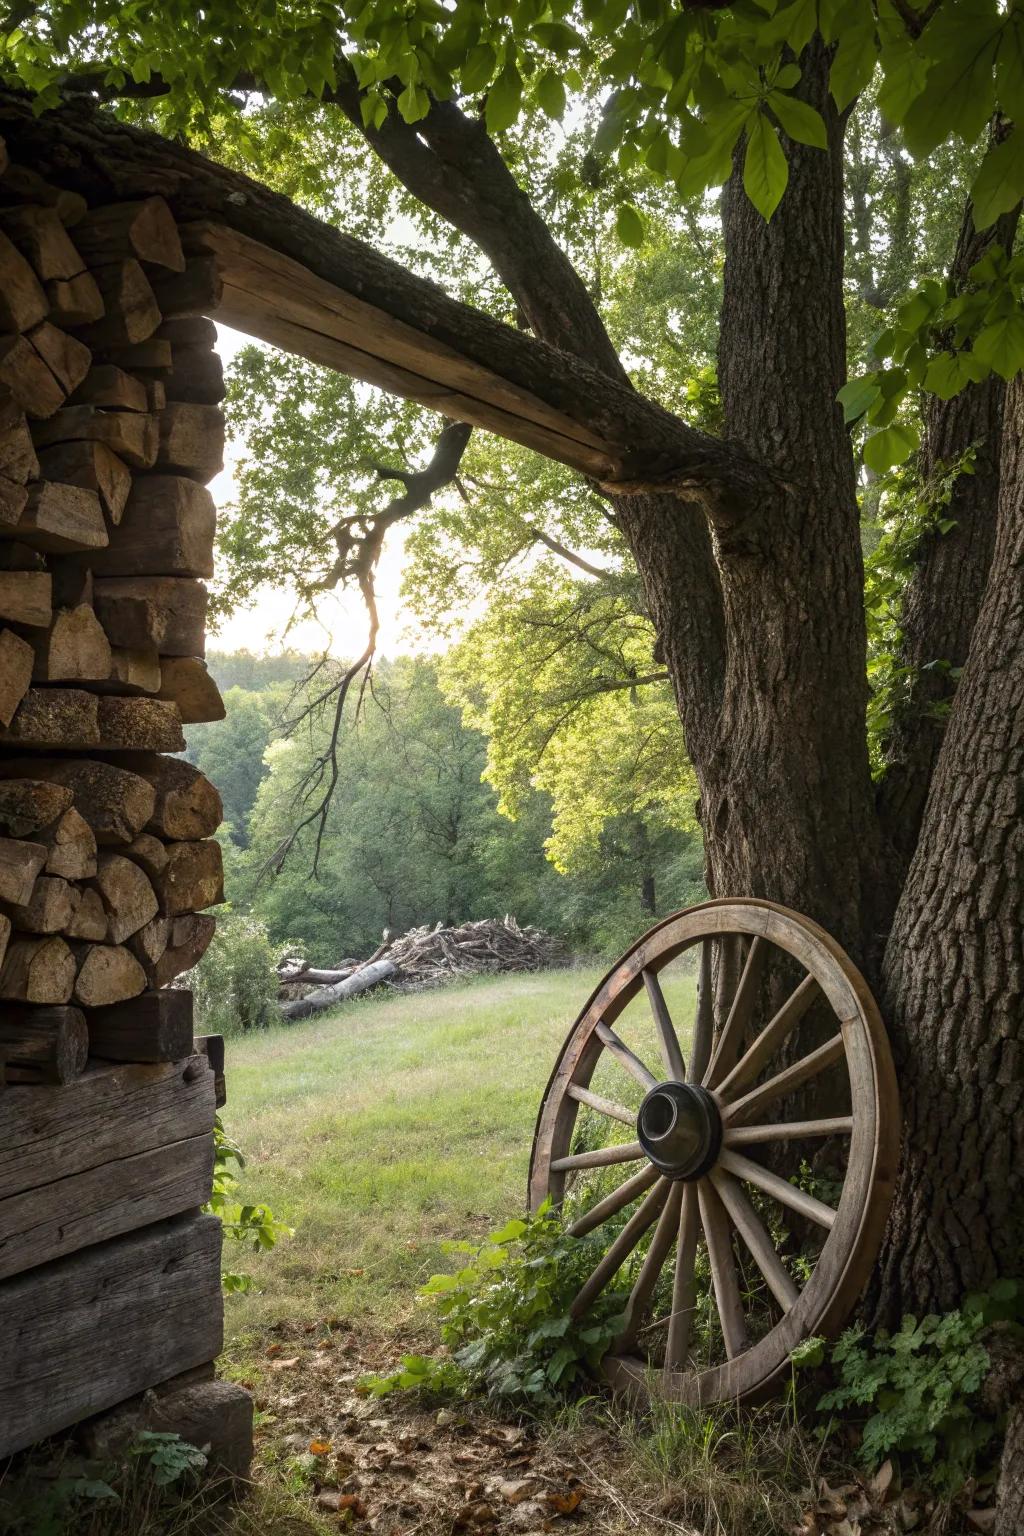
(360, 981)
(311, 976)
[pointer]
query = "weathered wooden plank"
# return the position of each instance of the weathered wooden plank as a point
(127, 1193)
(113, 1110)
(156, 1293)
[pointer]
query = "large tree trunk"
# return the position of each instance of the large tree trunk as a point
(954, 965)
(787, 800)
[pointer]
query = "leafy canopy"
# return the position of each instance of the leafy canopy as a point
(680, 86)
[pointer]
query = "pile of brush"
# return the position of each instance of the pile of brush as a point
(423, 957)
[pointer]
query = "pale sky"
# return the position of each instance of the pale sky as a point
(260, 627)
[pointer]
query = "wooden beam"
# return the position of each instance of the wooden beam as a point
(267, 294)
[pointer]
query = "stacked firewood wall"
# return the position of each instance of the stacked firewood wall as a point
(110, 427)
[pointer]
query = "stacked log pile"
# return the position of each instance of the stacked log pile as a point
(110, 427)
(422, 957)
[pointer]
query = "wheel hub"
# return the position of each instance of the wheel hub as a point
(680, 1129)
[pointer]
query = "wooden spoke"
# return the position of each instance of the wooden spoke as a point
(730, 965)
(704, 1026)
(788, 1130)
(623, 1246)
(601, 1157)
(630, 1190)
(603, 1106)
(723, 1268)
(671, 1054)
(785, 1082)
(624, 1056)
(770, 1038)
(780, 1189)
(684, 1287)
(654, 1260)
(740, 1014)
(752, 1230)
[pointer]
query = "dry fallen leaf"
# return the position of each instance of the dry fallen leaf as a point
(564, 1503)
(320, 1447)
(879, 1484)
(515, 1491)
(981, 1519)
(284, 1365)
(339, 1502)
(274, 1349)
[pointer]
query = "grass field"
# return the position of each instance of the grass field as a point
(392, 1124)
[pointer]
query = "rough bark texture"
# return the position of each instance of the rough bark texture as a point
(954, 965)
(942, 602)
(1010, 1490)
(787, 802)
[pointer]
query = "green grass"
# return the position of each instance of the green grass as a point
(383, 1128)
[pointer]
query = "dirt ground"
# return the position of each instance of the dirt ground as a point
(396, 1467)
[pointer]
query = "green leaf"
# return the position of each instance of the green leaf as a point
(551, 94)
(799, 120)
(1001, 345)
(478, 69)
(510, 1232)
(765, 171)
(856, 56)
(413, 103)
(999, 184)
(558, 37)
(945, 375)
(893, 445)
(856, 396)
(1010, 69)
(504, 100)
(787, 77)
(959, 93)
(629, 225)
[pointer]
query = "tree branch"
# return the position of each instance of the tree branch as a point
(360, 540)
(558, 548)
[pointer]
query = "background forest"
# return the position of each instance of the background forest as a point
(415, 834)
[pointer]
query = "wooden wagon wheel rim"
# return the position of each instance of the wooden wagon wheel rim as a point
(709, 1199)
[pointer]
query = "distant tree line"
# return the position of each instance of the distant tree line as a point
(415, 834)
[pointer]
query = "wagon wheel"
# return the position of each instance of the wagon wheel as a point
(728, 1265)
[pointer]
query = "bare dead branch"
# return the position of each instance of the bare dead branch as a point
(360, 540)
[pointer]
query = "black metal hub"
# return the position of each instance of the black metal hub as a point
(680, 1129)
